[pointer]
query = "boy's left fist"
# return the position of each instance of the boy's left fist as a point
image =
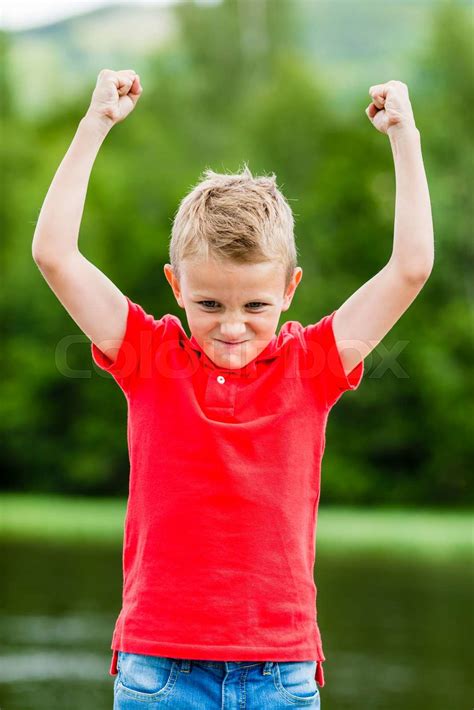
(390, 110)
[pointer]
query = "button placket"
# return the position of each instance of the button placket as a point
(220, 392)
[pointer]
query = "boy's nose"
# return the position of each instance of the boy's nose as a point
(232, 331)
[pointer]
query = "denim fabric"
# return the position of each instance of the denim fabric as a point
(183, 684)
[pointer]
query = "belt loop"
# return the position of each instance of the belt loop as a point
(186, 665)
(267, 668)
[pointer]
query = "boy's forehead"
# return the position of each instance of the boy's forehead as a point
(200, 276)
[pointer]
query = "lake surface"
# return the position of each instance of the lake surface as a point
(397, 633)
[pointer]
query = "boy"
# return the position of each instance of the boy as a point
(226, 428)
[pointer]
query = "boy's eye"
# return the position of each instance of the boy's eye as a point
(213, 304)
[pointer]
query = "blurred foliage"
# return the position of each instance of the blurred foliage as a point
(236, 88)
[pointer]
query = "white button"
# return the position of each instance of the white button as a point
(221, 379)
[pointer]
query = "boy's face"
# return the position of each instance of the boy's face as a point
(232, 309)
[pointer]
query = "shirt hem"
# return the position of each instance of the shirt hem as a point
(216, 653)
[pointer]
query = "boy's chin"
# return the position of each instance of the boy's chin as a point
(231, 360)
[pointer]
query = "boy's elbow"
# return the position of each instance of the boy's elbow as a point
(416, 274)
(44, 263)
(34, 255)
(417, 278)
(37, 253)
(38, 258)
(420, 276)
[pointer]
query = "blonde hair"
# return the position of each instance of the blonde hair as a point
(237, 217)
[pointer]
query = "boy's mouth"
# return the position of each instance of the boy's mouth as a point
(231, 342)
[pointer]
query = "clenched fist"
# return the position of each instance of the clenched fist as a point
(390, 110)
(115, 95)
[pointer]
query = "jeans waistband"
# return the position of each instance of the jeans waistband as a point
(186, 665)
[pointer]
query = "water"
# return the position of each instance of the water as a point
(396, 633)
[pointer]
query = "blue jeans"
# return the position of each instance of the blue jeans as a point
(182, 684)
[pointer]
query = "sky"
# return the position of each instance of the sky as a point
(22, 14)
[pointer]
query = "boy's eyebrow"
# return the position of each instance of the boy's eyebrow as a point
(261, 297)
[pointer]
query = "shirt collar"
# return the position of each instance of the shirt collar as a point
(272, 350)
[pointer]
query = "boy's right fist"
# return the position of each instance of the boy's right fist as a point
(115, 95)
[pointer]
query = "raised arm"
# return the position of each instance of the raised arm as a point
(97, 306)
(368, 315)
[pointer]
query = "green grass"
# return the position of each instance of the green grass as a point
(421, 532)
(59, 518)
(424, 532)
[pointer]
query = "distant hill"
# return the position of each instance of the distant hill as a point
(351, 44)
(55, 61)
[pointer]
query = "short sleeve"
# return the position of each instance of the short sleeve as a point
(326, 361)
(142, 333)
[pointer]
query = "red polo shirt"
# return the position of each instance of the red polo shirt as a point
(220, 529)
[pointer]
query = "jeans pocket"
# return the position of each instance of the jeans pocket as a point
(145, 678)
(295, 681)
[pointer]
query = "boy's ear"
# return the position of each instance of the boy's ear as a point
(290, 291)
(174, 283)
